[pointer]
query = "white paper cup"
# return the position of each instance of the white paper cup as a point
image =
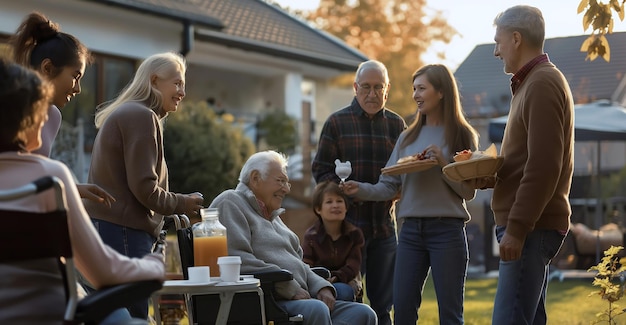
(229, 268)
(199, 273)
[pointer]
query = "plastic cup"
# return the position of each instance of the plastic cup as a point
(229, 268)
(199, 273)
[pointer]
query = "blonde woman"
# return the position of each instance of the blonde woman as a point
(128, 160)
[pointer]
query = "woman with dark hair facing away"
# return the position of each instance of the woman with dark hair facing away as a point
(128, 161)
(33, 292)
(432, 237)
(60, 58)
(333, 242)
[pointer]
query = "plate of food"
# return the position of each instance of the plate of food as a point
(410, 164)
(469, 165)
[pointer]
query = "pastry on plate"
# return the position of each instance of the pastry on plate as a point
(412, 158)
(462, 155)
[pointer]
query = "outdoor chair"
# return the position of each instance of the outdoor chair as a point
(34, 235)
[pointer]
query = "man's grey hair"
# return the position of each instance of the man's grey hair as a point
(369, 65)
(526, 20)
(262, 161)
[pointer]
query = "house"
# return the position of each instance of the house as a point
(246, 57)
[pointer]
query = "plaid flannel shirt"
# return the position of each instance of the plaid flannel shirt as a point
(349, 134)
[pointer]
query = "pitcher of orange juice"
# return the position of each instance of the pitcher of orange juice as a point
(209, 240)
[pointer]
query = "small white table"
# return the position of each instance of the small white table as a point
(226, 290)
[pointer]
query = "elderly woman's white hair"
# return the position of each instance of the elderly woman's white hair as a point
(262, 161)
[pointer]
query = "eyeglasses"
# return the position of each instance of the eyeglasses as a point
(283, 182)
(366, 88)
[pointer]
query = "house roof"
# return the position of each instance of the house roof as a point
(253, 25)
(485, 89)
(177, 10)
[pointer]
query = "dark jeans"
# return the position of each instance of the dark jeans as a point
(377, 267)
(129, 242)
(438, 246)
(344, 291)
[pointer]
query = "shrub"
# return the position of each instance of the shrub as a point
(203, 152)
(609, 279)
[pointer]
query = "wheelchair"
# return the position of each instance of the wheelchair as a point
(245, 308)
(47, 237)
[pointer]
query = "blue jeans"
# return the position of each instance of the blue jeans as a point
(377, 267)
(439, 244)
(116, 317)
(315, 312)
(344, 291)
(522, 284)
(129, 242)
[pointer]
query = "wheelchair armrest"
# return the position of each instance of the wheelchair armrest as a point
(321, 271)
(268, 280)
(273, 276)
(99, 304)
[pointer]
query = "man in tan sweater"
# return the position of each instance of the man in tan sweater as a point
(530, 197)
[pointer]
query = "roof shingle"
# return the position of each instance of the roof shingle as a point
(256, 25)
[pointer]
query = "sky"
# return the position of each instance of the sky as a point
(474, 21)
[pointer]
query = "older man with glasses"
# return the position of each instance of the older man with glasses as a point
(365, 133)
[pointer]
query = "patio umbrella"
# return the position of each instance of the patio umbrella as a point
(598, 121)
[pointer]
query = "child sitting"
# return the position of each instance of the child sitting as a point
(335, 243)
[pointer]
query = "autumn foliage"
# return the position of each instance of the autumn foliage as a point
(599, 16)
(395, 32)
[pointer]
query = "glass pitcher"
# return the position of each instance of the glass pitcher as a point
(209, 240)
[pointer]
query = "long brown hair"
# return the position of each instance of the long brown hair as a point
(37, 38)
(459, 134)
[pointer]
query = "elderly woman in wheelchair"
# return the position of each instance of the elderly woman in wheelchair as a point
(33, 292)
(251, 213)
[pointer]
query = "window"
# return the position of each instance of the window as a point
(103, 80)
(116, 74)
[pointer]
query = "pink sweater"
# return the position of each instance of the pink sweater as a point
(37, 292)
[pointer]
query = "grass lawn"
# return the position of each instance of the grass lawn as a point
(568, 303)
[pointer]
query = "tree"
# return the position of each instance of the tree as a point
(278, 130)
(395, 32)
(203, 153)
(599, 16)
